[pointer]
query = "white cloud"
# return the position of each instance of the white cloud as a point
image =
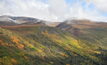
(53, 10)
(32, 8)
(78, 11)
(58, 8)
(101, 5)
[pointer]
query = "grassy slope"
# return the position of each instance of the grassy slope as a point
(42, 45)
(97, 36)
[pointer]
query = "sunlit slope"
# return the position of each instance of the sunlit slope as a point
(42, 45)
(97, 36)
(94, 33)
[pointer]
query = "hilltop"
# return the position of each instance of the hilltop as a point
(65, 44)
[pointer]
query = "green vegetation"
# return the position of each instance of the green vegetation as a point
(42, 45)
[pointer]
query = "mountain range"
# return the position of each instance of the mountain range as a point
(31, 41)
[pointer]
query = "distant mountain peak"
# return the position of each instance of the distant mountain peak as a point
(6, 19)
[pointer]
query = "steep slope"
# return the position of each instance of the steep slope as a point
(93, 32)
(42, 45)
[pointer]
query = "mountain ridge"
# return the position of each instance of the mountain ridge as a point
(62, 44)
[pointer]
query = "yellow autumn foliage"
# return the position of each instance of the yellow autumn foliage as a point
(97, 52)
(40, 51)
(73, 42)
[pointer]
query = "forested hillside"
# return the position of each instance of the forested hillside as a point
(43, 45)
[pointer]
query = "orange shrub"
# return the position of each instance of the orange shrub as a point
(20, 46)
(14, 61)
(67, 64)
(15, 39)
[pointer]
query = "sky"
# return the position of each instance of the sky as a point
(56, 10)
